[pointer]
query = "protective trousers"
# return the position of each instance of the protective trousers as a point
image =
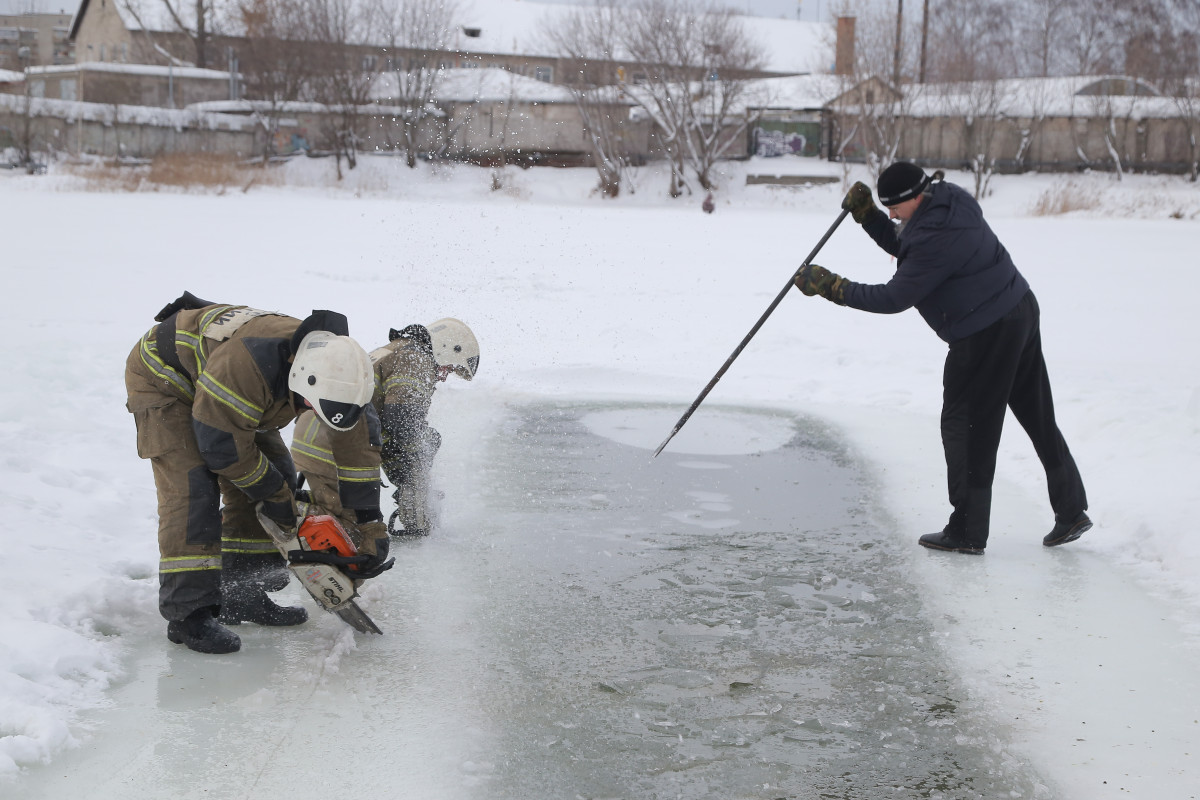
(193, 533)
(998, 367)
(407, 462)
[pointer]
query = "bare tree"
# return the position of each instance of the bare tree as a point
(25, 133)
(198, 20)
(979, 105)
(1091, 41)
(698, 64)
(414, 32)
(1042, 32)
(274, 62)
(1188, 104)
(341, 80)
(589, 37)
(1033, 97)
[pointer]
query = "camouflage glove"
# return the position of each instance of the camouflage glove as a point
(812, 279)
(859, 203)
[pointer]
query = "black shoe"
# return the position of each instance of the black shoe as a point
(201, 632)
(251, 604)
(944, 541)
(1068, 531)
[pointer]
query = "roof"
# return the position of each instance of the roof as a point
(486, 84)
(802, 92)
(515, 27)
(1080, 95)
(131, 69)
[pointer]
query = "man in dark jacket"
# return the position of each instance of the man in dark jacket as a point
(951, 266)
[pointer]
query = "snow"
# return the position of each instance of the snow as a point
(642, 299)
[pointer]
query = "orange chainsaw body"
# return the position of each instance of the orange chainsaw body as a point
(321, 532)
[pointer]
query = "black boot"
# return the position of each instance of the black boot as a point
(1068, 531)
(945, 541)
(201, 632)
(247, 602)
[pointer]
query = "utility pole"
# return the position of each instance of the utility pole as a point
(899, 35)
(924, 38)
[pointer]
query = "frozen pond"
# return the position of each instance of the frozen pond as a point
(724, 621)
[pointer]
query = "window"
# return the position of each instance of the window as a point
(102, 52)
(37, 88)
(544, 74)
(66, 89)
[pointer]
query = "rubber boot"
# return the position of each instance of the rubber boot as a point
(201, 632)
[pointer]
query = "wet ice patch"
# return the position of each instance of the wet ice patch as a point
(710, 432)
(707, 503)
(701, 519)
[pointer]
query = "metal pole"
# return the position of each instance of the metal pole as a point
(924, 38)
(738, 350)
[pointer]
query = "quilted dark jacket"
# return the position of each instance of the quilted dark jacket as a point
(949, 264)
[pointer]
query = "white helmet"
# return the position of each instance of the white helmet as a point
(333, 373)
(455, 346)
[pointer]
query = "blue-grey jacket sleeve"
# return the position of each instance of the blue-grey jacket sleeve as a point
(917, 275)
(883, 231)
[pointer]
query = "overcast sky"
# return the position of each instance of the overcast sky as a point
(806, 9)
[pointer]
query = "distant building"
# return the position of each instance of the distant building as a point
(35, 40)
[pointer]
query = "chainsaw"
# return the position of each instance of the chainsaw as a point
(319, 540)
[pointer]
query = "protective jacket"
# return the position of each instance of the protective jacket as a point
(949, 264)
(342, 467)
(230, 364)
(405, 380)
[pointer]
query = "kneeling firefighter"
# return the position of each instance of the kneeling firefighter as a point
(209, 388)
(407, 371)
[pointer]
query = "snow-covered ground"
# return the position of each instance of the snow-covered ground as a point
(640, 299)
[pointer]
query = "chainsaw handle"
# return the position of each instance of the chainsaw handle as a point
(322, 557)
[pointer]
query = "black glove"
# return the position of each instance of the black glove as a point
(812, 279)
(375, 545)
(859, 203)
(281, 512)
(378, 563)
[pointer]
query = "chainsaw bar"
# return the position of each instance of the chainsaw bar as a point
(356, 618)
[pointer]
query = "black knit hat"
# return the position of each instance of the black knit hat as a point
(901, 181)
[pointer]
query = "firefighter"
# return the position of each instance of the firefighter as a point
(407, 371)
(209, 388)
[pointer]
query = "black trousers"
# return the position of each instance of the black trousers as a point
(997, 368)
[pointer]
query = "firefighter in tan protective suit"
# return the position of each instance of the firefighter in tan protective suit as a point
(407, 371)
(209, 387)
